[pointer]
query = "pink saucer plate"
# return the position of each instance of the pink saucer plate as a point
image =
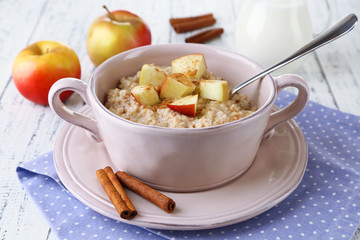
(278, 169)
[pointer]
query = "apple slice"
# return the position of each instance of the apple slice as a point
(186, 105)
(151, 74)
(176, 85)
(145, 95)
(193, 65)
(214, 89)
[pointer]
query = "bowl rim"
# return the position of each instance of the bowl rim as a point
(244, 120)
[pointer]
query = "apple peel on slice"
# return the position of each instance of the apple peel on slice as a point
(176, 85)
(186, 105)
(192, 65)
(145, 95)
(151, 74)
(214, 89)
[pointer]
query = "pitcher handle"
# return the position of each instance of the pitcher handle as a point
(67, 114)
(290, 111)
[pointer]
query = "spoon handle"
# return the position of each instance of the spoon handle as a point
(339, 29)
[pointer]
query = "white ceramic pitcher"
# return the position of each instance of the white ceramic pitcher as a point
(267, 31)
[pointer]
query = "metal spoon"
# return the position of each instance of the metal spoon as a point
(339, 29)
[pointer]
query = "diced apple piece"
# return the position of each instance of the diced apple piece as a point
(145, 95)
(193, 65)
(214, 89)
(186, 105)
(151, 74)
(176, 85)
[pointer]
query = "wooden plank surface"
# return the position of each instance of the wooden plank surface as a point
(28, 130)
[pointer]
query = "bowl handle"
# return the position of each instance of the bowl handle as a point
(67, 114)
(290, 111)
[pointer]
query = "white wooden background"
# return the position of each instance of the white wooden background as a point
(28, 130)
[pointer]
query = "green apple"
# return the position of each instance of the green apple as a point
(193, 65)
(38, 66)
(115, 32)
(186, 105)
(214, 89)
(145, 95)
(176, 85)
(151, 74)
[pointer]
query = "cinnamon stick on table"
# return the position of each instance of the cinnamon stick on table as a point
(159, 199)
(204, 36)
(115, 181)
(193, 23)
(174, 21)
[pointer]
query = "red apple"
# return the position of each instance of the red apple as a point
(116, 32)
(37, 67)
(186, 105)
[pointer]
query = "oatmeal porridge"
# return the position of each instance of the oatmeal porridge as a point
(123, 102)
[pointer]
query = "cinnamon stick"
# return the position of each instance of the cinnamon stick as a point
(204, 36)
(174, 21)
(113, 195)
(186, 26)
(115, 181)
(159, 199)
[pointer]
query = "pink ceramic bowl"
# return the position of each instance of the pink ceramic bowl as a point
(180, 160)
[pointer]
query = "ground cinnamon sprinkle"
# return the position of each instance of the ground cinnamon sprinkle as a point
(162, 105)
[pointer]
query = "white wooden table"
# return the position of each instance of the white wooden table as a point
(28, 130)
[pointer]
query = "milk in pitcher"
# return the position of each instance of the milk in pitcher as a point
(268, 31)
